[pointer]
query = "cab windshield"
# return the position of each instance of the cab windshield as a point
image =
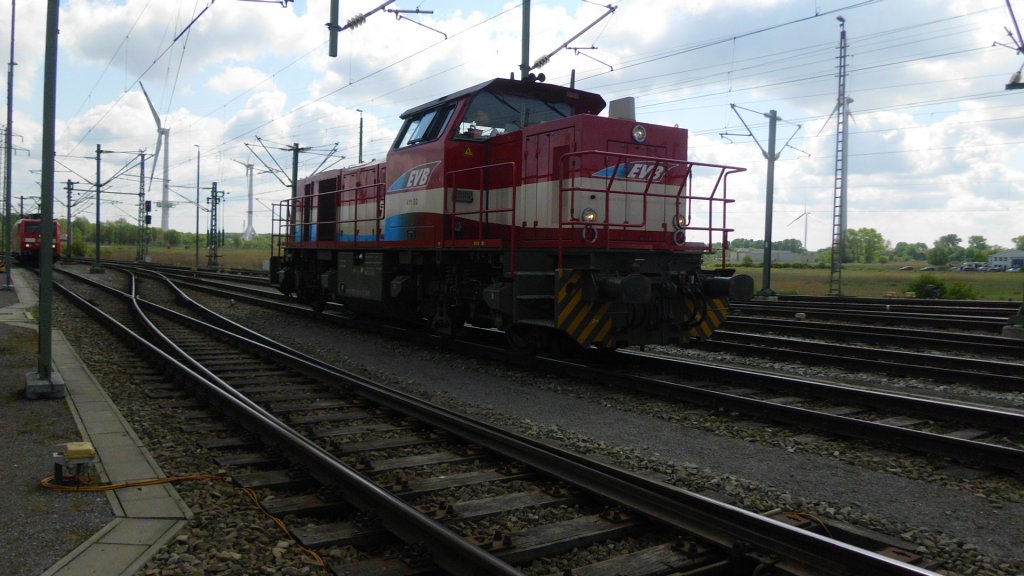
(425, 127)
(491, 114)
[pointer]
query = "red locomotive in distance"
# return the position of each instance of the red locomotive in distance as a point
(26, 242)
(512, 205)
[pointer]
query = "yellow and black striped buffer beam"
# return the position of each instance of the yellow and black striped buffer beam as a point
(576, 313)
(717, 312)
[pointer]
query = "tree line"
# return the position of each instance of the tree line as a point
(867, 245)
(122, 232)
(863, 245)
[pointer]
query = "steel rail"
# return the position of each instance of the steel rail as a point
(912, 303)
(889, 334)
(967, 450)
(449, 551)
(997, 456)
(1005, 375)
(734, 528)
(1008, 420)
(987, 323)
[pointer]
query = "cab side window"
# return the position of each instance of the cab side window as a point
(425, 127)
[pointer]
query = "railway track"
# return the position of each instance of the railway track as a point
(993, 374)
(984, 345)
(953, 307)
(985, 436)
(989, 318)
(404, 462)
(977, 435)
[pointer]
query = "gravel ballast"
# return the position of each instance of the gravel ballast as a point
(976, 524)
(947, 517)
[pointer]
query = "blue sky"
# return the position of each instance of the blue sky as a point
(934, 143)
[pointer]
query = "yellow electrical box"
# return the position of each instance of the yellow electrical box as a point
(79, 450)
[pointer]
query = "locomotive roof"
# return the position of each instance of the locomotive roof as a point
(582, 102)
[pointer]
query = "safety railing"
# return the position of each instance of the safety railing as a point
(280, 227)
(474, 188)
(694, 194)
(639, 183)
(356, 216)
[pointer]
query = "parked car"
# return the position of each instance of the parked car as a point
(1013, 269)
(906, 267)
(927, 268)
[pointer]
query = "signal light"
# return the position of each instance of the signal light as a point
(149, 206)
(149, 219)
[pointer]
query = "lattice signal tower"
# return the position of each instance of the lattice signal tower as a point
(839, 199)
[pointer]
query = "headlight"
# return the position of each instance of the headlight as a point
(679, 222)
(589, 215)
(639, 133)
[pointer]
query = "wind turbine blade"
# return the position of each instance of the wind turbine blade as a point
(156, 158)
(159, 144)
(151, 108)
(834, 108)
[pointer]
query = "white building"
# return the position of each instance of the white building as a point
(1007, 259)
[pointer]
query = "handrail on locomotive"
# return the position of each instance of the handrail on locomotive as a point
(292, 229)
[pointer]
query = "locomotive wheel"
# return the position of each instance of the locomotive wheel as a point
(448, 320)
(523, 340)
(561, 345)
(318, 304)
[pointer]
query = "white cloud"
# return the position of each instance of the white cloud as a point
(935, 147)
(234, 78)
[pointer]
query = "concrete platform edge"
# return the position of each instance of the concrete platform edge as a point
(100, 547)
(141, 526)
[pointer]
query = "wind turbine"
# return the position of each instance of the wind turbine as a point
(163, 136)
(250, 232)
(806, 216)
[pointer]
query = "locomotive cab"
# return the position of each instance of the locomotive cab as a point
(461, 154)
(513, 205)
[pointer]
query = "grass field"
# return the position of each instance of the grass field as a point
(243, 258)
(866, 280)
(879, 280)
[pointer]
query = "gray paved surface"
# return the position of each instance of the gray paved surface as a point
(70, 534)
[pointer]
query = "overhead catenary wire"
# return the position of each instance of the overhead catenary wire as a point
(236, 137)
(920, 29)
(854, 5)
(331, 93)
(141, 75)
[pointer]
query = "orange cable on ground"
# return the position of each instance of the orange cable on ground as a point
(253, 495)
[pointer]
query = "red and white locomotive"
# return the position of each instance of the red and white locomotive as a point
(513, 205)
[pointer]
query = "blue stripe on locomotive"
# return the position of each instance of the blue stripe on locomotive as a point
(396, 227)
